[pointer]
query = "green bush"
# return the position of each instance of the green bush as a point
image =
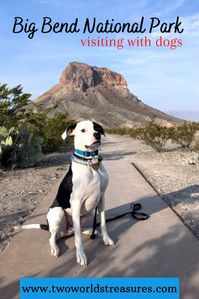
(154, 135)
(15, 109)
(137, 133)
(53, 130)
(11, 103)
(151, 133)
(26, 130)
(185, 134)
(196, 145)
(49, 128)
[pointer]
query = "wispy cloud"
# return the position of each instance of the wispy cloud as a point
(172, 7)
(167, 8)
(191, 25)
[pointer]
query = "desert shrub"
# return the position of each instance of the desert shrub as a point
(153, 134)
(53, 130)
(196, 145)
(19, 147)
(137, 133)
(11, 102)
(185, 134)
(49, 128)
(15, 109)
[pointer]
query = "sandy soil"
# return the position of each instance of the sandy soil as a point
(173, 174)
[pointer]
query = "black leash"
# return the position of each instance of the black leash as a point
(136, 215)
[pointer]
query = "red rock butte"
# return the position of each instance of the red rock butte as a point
(83, 76)
(90, 92)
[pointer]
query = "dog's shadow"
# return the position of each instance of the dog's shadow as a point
(120, 225)
(62, 244)
(115, 228)
(117, 155)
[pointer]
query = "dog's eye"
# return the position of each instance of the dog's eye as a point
(83, 130)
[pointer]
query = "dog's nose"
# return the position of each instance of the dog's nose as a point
(97, 136)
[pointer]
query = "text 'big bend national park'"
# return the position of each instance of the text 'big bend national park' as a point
(92, 25)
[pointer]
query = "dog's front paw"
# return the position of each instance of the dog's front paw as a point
(55, 251)
(108, 241)
(81, 258)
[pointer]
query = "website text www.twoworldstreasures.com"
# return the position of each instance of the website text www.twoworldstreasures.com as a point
(99, 289)
(159, 288)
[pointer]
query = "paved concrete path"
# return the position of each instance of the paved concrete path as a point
(159, 247)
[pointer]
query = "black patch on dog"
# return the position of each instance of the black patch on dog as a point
(70, 128)
(98, 128)
(63, 195)
(44, 226)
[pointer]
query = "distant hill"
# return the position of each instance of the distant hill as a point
(186, 115)
(99, 94)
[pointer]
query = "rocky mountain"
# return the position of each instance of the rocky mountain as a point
(89, 92)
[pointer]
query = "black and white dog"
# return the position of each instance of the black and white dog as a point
(81, 190)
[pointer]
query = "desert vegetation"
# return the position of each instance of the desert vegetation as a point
(157, 136)
(25, 131)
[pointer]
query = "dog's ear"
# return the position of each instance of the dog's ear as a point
(68, 131)
(98, 128)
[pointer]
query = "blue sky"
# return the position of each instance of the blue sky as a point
(160, 77)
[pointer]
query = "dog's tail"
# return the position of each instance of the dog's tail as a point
(30, 226)
(85, 231)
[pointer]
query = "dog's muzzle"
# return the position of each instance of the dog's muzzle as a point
(97, 141)
(94, 145)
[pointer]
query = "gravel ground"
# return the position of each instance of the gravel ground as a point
(22, 190)
(173, 174)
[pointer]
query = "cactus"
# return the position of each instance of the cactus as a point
(3, 133)
(19, 148)
(6, 144)
(28, 147)
(6, 147)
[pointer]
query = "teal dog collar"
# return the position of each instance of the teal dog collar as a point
(85, 154)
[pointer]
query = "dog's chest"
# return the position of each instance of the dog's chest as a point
(86, 179)
(89, 185)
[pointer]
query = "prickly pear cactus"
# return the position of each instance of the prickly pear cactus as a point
(28, 148)
(6, 146)
(19, 147)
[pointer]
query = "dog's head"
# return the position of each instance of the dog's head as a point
(87, 135)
